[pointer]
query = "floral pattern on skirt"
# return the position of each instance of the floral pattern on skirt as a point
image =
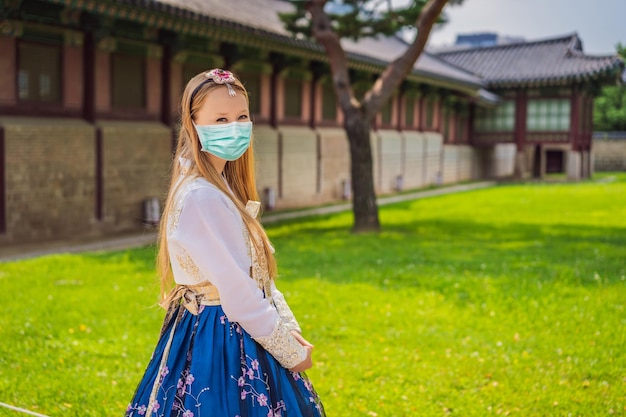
(214, 368)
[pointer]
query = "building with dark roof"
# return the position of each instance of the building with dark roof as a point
(547, 89)
(545, 63)
(89, 93)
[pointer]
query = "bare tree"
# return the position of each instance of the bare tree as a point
(364, 18)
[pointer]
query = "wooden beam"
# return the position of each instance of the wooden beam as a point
(89, 78)
(521, 104)
(575, 121)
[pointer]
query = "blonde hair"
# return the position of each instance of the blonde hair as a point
(239, 174)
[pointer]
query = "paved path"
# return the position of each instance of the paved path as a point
(148, 237)
(269, 218)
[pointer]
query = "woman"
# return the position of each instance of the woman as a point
(230, 346)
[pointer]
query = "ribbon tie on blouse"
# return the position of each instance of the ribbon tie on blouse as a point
(192, 296)
(253, 208)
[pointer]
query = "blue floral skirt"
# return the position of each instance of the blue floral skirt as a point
(205, 366)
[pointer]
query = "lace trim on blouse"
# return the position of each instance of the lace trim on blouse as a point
(286, 315)
(283, 346)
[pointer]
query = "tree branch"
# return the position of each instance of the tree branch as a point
(396, 71)
(326, 36)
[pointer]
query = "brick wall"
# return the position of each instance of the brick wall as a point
(414, 173)
(432, 158)
(299, 167)
(449, 164)
(460, 163)
(136, 158)
(497, 161)
(266, 157)
(49, 179)
(391, 159)
(609, 154)
(51, 190)
(334, 163)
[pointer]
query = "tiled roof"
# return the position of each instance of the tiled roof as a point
(257, 14)
(386, 49)
(557, 61)
(261, 16)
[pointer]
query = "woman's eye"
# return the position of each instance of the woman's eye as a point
(221, 120)
(243, 117)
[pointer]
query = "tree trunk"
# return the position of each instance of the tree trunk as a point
(364, 205)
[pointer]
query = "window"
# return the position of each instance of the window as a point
(548, 115)
(39, 73)
(385, 112)
(409, 111)
(329, 102)
(128, 79)
(496, 119)
(252, 82)
(293, 98)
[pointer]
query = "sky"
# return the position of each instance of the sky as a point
(600, 24)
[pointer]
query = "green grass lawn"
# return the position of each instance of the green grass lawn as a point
(503, 301)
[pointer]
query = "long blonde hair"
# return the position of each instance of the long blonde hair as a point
(239, 174)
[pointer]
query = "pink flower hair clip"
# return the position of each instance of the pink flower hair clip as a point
(220, 76)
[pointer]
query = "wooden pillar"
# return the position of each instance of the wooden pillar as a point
(575, 158)
(521, 104)
(574, 133)
(420, 114)
(167, 58)
(317, 70)
(166, 85)
(437, 115)
(470, 124)
(315, 104)
(277, 68)
(589, 122)
(89, 77)
(273, 104)
(400, 110)
(89, 114)
(452, 125)
(399, 124)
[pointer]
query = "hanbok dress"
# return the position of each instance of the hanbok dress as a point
(226, 346)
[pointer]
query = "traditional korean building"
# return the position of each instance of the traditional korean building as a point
(547, 89)
(89, 92)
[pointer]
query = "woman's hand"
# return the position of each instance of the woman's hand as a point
(301, 339)
(308, 362)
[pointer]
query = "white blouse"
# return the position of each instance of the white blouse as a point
(208, 241)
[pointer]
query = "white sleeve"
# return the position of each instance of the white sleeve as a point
(286, 315)
(210, 231)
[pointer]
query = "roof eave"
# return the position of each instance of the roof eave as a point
(554, 81)
(201, 24)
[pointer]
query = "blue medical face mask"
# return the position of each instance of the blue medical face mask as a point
(227, 141)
